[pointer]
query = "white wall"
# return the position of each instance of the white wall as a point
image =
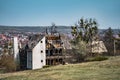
(43, 47)
(37, 56)
(16, 50)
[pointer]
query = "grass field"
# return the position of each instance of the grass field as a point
(98, 70)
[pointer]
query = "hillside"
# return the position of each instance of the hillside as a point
(103, 70)
(61, 29)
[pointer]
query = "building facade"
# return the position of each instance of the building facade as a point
(36, 57)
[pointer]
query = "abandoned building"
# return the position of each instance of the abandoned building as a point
(33, 54)
(40, 50)
(54, 50)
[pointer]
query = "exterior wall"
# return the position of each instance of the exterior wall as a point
(29, 59)
(43, 47)
(39, 55)
(16, 50)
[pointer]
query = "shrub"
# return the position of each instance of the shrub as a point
(79, 51)
(97, 58)
(8, 63)
(2, 70)
(46, 66)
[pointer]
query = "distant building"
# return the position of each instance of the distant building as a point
(98, 47)
(117, 44)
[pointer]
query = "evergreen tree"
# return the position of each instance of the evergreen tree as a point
(109, 41)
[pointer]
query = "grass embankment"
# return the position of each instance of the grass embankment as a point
(98, 70)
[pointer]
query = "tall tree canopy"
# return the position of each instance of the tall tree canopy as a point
(85, 29)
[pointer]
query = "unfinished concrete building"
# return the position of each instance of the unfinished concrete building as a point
(54, 50)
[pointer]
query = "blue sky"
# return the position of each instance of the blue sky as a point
(61, 12)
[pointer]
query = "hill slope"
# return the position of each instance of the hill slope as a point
(104, 70)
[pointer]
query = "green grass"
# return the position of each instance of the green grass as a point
(97, 58)
(97, 70)
(2, 70)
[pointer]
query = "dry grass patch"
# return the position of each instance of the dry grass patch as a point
(98, 70)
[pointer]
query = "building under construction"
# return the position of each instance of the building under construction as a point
(54, 50)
